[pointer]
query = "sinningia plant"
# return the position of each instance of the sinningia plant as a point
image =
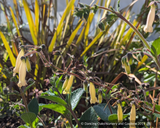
(64, 100)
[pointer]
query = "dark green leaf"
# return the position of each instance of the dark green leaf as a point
(75, 97)
(101, 26)
(33, 106)
(153, 51)
(89, 119)
(55, 107)
(55, 99)
(103, 111)
(95, 9)
(114, 118)
(81, 5)
(79, 13)
(86, 14)
(28, 87)
(28, 117)
(110, 18)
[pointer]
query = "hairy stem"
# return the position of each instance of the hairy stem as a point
(134, 28)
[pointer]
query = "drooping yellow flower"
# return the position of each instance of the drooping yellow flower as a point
(22, 73)
(100, 96)
(120, 113)
(150, 18)
(69, 85)
(18, 61)
(65, 83)
(28, 64)
(92, 92)
(133, 116)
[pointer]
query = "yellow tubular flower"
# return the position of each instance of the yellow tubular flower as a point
(28, 64)
(22, 73)
(18, 61)
(133, 116)
(92, 92)
(150, 18)
(65, 83)
(69, 85)
(100, 96)
(120, 113)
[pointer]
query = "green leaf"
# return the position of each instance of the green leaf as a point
(30, 21)
(23, 126)
(153, 51)
(155, 47)
(156, 115)
(89, 119)
(33, 106)
(110, 18)
(55, 99)
(55, 107)
(75, 97)
(103, 111)
(114, 118)
(66, 12)
(101, 26)
(28, 117)
(95, 9)
(28, 87)
(10, 53)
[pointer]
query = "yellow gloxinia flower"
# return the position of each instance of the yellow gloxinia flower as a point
(150, 18)
(92, 92)
(120, 113)
(69, 85)
(65, 83)
(22, 73)
(133, 116)
(18, 61)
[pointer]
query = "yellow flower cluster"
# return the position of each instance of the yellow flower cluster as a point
(132, 114)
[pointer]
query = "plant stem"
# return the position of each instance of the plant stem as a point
(41, 121)
(134, 28)
(26, 106)
(24, 100)
(25, 103)
(75, 117)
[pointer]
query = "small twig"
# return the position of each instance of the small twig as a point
(41, 121)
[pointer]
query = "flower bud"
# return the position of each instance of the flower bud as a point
(43, 46)
(28, 64)
(69, 85)
(100, 98)
(22, 73)
(18, 61)
(129, 58)
(125, 64)
(92, 92)
(120, 113)
(150, 18)
(85, 86)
